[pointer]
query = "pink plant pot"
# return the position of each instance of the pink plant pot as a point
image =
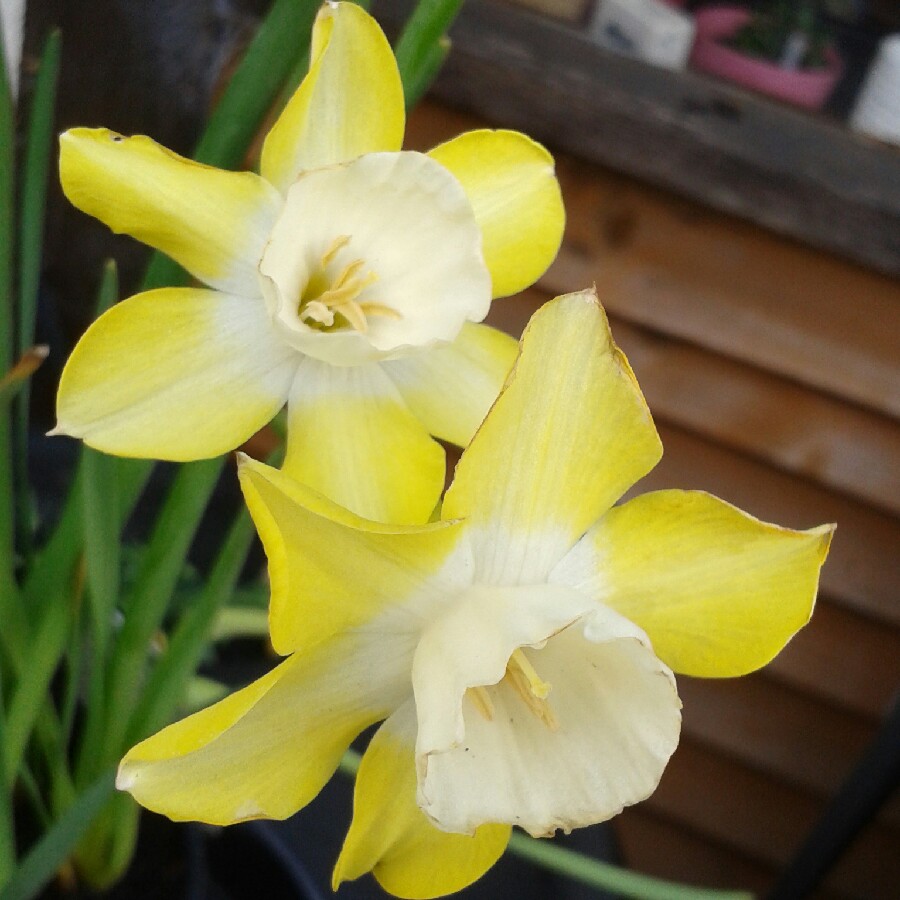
(809, 88)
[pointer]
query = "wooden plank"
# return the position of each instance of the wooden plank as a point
(864, 564)
(732, 287)
(757, 317)
(862, 569)
(798, 430)
(717, 797)
(657, 846)
(772, 728)
(844, 658)
(798, 174)
(683, 270)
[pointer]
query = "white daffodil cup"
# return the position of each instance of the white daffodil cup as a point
(519, 652)
(344, 280)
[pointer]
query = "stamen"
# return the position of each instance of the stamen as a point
(319, 306)
(483, 702)
(531, 688)
(519, 661)
(336, 245)
(354, 315)
(379, 309)
(318, 312)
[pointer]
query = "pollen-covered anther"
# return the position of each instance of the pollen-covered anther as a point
(531, 688)
(341, 296)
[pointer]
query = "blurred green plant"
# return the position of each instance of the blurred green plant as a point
(790, 33)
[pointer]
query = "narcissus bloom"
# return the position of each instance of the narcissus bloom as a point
(520, 651)
(344, 280)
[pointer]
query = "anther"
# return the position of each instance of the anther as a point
(334, 248)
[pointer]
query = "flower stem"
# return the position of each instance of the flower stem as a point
(609, 877)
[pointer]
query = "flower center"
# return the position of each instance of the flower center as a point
(331, 302)
(533, 691)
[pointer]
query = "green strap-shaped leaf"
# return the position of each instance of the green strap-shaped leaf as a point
(54, 848)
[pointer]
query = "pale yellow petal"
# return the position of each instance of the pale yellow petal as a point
(392, 838)
(214, 223)
(331, 571)
(451, 388)
(176, 373)
(511, 183)
(350, 103)
(568, 435)
(611, 721)
(718, 592)
(267, 750)
(403, 224)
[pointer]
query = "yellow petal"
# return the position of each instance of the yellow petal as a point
(450, 389)
(568, 435)
(268, 749)
(510, 182)
(392, 838)
(352, 438)
(177, 373)
(350, 103)
(214, 223)
(718, 592)
(331, 571)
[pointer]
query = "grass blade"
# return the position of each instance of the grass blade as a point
(31, 237)
(42, 863)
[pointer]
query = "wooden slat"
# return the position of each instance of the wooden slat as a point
(679, 269)
(717, 797)
(799, 430)
(780, 731)
(822, 339)
(657, 846)
(862, 569)
(844, 658)
(792, 172)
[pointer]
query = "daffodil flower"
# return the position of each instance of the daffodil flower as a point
(344, 280)
(520, 651)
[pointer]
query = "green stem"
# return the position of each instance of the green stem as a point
(608, 877)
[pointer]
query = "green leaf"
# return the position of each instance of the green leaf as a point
(166, 685)
(8, 595)
(31, 234)
(42, 863)
(417, 48)
(149, 598)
